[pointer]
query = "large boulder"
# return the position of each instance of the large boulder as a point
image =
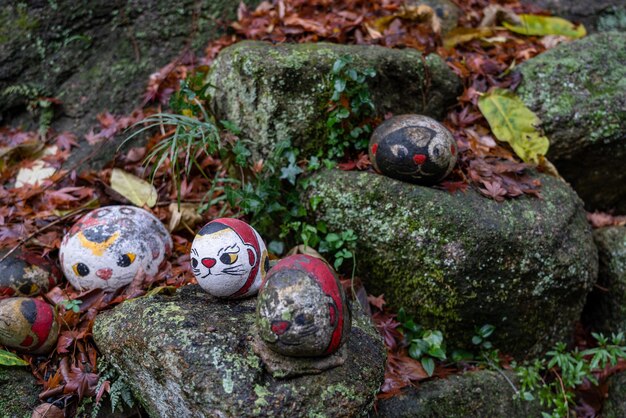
(95, 55)
(481, 393)
(191, 355)
(606, 306)
(578, 90)
(18, 392)
(460, 261)
(278, 92)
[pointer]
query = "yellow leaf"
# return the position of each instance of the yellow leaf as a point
(9, 359)
(461, 35)
(546, 25)
(183, 216)
(511, 121)
(138, 191)
(421, 13)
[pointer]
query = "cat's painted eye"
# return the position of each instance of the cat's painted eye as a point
(300, 319)
(228, 258)
(80, 269)
(126, 260)
(194, 263)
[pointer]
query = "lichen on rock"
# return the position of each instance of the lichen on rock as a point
(460, 261)
(191, 355)
(578, 90)
(18, 392)
(279, 92)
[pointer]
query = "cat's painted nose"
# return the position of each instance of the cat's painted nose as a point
(104, 274)
(208, 262)
(279, 327)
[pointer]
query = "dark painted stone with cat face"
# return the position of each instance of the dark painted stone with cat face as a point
(302, 309)
(107, 247)
(26, 274)
(229, 258)
(28, 325)
(413, 148)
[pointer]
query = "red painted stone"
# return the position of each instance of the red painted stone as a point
(28, 324)
(229, 258)
(302, 309)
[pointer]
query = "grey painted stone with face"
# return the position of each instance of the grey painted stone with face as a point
(413, 148)
(107, 247)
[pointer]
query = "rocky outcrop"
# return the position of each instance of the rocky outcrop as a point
(279, 92)
(606, 306)
(578, 90)
(18, 392)
(482, 393)
(597, 15)
(191, 355)
(95, 55)
(460, 261)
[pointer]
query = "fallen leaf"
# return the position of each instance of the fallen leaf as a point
(38, 172)
(420, 13)
(184, 216)
(511, 121)
(546, 25)
(137, 190)
(495, 13)
(9, 359)
(459, 36)
(47, 410)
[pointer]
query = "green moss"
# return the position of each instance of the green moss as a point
(18, 392)
(460, 261)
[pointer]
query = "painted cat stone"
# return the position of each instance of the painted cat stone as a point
(302, 309)
(28, 325)
(106, 247)
(229, 258)
(413, 148)
(26, 274)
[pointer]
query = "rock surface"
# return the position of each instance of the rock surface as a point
(578, 90)
(615, 404)
(474, 394)
(606, 306)
(190, 355)
(278, 92)
(460, 261)
(596, 15)
(95, 55)
(18, 392)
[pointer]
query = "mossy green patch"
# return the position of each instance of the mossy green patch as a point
(457, 262)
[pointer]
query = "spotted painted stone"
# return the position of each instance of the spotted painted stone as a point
(302, 309)
(229, 258)
(107, 247)
(413, 148)
(28, 324)
(26, 274)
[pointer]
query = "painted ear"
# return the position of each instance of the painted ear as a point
(333, 313)
(253, 256)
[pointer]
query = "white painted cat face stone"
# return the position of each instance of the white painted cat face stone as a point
(229, 258)
(106, 248)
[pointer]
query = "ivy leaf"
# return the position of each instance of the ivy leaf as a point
(546, 25)
(290, 173)
(511, 121)
(9, 359)
(137, 190)
(429, 365)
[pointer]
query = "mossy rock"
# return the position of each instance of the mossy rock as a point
(578, 90)
(481, 393)
(606, 305)
(95, 55)
(279, 92)
(18, 392)
(460, 261)
(190, 355)
(615, 404)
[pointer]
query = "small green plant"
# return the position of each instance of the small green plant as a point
(72, 304)
(117, 388)
(481, 337)
(423, 345)
(352, 108)
(554, 378)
